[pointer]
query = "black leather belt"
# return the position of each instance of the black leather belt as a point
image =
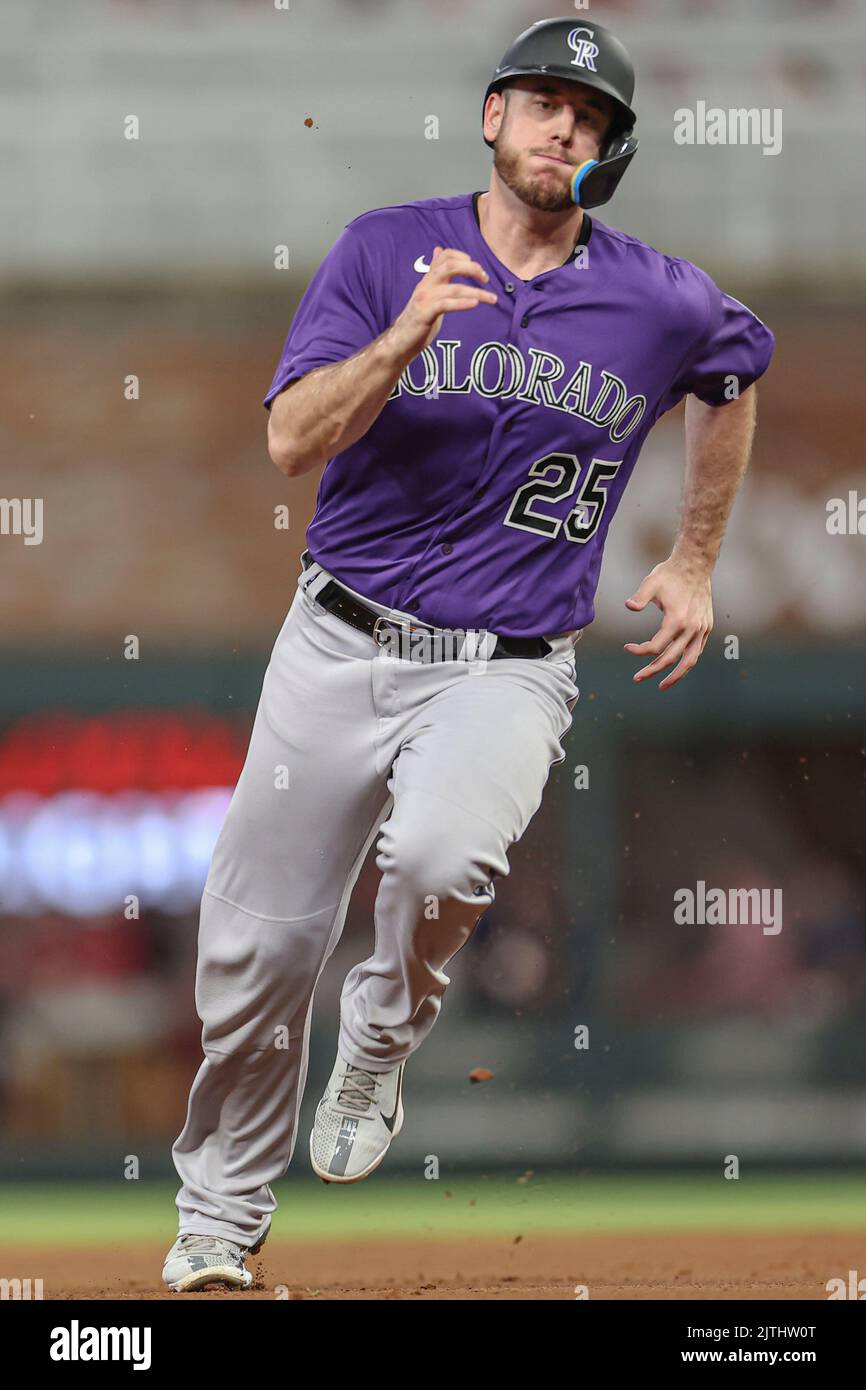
(335, 599)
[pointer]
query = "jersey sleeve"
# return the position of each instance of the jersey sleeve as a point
(341, 312)
(733, 350)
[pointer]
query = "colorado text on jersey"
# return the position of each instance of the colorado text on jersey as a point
(501, 369)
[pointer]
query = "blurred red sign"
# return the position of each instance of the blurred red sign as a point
(139, 749)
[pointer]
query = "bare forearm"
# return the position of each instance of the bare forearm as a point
(331, 408)
(718, 446)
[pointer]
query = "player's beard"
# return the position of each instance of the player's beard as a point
(536, 190)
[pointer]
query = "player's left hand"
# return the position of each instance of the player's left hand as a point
(684, 594)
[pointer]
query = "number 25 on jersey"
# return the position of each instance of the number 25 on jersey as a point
(552, 478)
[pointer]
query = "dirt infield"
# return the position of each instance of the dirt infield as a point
(690, 1265)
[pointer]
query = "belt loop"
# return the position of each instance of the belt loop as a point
(318, 580)
(478, 645)
(312, 578)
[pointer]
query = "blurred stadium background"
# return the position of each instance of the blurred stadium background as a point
(155, 257)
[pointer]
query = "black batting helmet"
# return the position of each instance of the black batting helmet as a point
(590, 54)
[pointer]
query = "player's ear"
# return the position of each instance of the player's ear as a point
(492, 112)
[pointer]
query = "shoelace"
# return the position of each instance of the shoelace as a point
(358, 1090)
(212, 1243)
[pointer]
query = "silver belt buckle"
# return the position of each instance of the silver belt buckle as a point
(404, 626)
(377, 629)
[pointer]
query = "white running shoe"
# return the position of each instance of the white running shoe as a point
(194, 1262)
(356, 1119)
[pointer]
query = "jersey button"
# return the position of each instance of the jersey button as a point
(447, 549)
(524, 322)
(509, 288)
(508, 426)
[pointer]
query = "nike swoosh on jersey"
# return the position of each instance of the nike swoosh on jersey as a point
(421, 266)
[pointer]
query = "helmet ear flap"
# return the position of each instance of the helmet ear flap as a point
(595, 181)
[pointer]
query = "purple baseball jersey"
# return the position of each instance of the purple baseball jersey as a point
(482, 495)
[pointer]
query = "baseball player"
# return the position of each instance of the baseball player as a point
(477, 374)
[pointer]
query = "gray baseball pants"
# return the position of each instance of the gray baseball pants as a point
(446, 762)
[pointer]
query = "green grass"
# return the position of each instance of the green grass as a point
(416, 1209)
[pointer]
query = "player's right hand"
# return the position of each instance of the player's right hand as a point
(434, 296)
